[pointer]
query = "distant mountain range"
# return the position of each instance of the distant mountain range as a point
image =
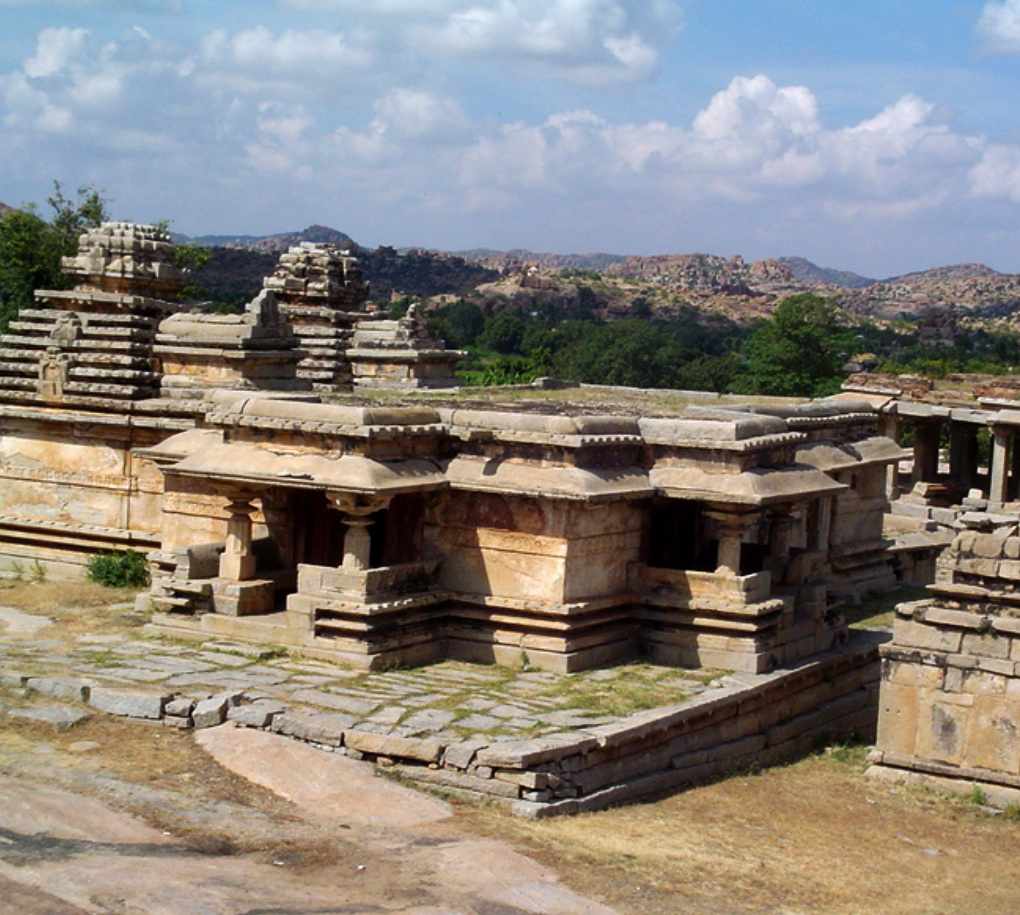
(322, 235)
(731, 286)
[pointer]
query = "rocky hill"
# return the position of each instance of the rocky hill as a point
(807, 272)
(275, 243)
(5, 209)
(516, 257)
(618, 286)
(969, 287)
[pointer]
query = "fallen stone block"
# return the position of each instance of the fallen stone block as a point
(325, 728)
(460, 755)
(426, 751)
(127, 704)
(210, 712)
(256, 714)
(72, 688)
(181, 707)
(59, 716)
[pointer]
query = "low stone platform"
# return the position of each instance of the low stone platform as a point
(523, 739)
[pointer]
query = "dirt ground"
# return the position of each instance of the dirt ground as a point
(815, 837)
(818, 837)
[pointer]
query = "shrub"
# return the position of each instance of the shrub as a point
(118, 569)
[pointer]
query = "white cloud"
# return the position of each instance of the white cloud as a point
(315, 124)
(56, 49)
(292, 52)
(591, 42)
(999, 27)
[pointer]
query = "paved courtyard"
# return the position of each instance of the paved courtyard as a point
(447, 700)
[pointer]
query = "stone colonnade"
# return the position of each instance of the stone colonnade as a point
(1003, 479)
(238, 561)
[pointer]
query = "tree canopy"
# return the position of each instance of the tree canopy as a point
(798, 353)
(31, 247)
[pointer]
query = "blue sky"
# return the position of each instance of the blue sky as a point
(881, 137)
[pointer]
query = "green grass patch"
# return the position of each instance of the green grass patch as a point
(878, 608)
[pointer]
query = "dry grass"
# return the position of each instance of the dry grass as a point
(109, 609)
(815, 838)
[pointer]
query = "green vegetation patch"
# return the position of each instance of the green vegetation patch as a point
(118, 569)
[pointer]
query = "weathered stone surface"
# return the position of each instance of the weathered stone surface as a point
(460, 755)
(426, 751)
(127, 703)
(256, 714)
(325, 728)
(59, 716)
(180, 707)
(208, 713)
(61, 687)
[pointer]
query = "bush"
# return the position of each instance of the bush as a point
(119, 569)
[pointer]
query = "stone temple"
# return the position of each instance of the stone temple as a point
(294, 478)
(382, 531)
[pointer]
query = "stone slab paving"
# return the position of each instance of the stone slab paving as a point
(450, 699)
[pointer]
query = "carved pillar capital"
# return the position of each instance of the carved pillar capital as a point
(356, 508)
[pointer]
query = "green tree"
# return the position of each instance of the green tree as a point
(798, 353)
(30, 253)
(31, 248)
(504, 333)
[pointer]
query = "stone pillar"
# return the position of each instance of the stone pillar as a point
(824, 529)
(238, 561)
(926, 451)
(963, 454)
(891, 426)
(357, 543)
(730, 524)
(997, 484)
(781, 521)
(1014, 470)
(356, 508)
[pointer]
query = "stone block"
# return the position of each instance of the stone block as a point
(211, 712)
(988, 546)
(58, 716)
(521, 754)
(256, 714)
(1007, 624)
(910, 634)
(426, 751)
(448, 778)
(460, 755)
(128, 704)
(1004, 668)
(325, 728)
(922, 676)
(533, 781)
(982, 682)
(986, 645)
(72, 688)
(180, 707)
(899, 707)
(1010, 568)
(942, 732)
(961, 619)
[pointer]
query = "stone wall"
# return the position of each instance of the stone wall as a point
(950, 700)
(753, 721)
